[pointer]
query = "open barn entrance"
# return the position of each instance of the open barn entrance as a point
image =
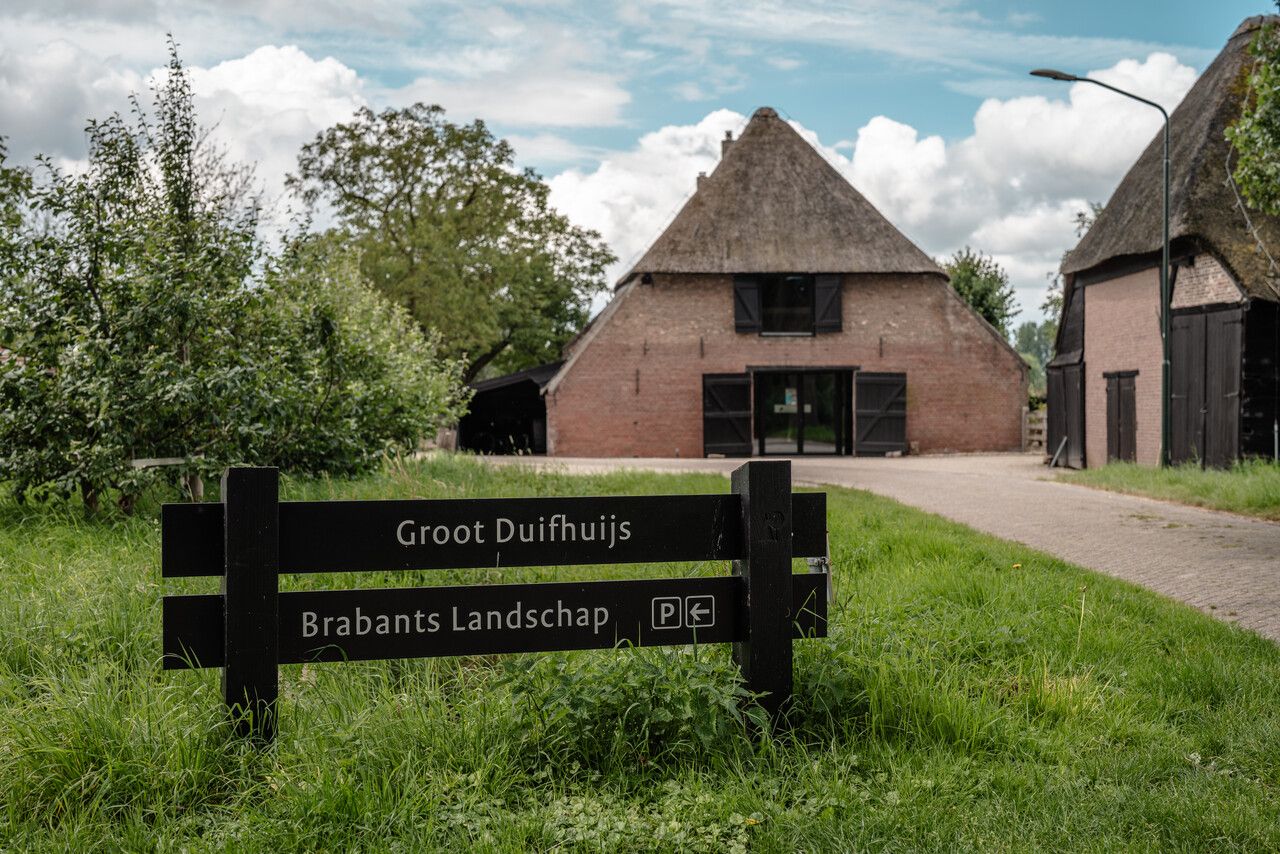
(803, 411)
(508, 415)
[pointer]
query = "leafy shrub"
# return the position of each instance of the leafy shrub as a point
(353, 375)
(647, 707)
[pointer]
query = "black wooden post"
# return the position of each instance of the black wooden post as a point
(250, 590)
(765, 654)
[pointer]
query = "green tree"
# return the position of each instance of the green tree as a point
(1034, 341)
(1255, 136)
(450, 229)
(123, 317)
(15, 189)
(984, 285)
(142, 319)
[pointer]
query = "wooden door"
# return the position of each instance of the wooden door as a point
(1122, 417)
(1186, 387)
(880, 401)
(1223, 346)
(726, 414)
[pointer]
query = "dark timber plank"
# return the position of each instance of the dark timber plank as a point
(351, 536)
(193, 624)
(764, 653)
(250, 679)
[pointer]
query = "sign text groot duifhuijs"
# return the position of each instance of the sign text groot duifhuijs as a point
(251, 537)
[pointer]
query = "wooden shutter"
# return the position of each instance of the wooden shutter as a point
(827, 306)
(746, 304)
(1122, 433)
(1128, 419)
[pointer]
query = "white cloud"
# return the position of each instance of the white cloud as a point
(48, 92)
(266, 105)
(550, 148)
(525, 76)
(946, 35)
(1010, 189)
(632, 195)
(784, 63)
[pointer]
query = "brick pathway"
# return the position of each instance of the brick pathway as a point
(1228, 566)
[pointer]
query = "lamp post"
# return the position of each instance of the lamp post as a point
(1166, 414)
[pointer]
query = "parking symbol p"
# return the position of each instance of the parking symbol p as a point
(668, 612)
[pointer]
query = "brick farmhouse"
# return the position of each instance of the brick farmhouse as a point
(1105, 381)
(779, 312)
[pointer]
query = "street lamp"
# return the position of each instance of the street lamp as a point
(1166, 415)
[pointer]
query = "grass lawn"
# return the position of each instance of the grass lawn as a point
(1251, 488)
(973, 694)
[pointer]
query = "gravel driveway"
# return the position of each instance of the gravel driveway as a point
(1226, 565)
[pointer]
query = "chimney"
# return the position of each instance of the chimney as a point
(702, 176)
(725, 143)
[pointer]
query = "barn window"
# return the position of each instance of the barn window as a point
(786, 305)
(790, 304)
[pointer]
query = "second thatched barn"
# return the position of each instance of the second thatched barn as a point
(1105, 389)
(780, 313)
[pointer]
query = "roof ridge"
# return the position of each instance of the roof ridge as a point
(774, 203)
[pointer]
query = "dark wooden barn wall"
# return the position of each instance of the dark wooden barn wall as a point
(1071, 336)
(1260, 381)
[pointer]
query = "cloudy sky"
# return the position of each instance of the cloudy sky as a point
(924, 104)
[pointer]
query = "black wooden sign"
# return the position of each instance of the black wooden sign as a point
(349, 536)
(426, 622)
(251, 537)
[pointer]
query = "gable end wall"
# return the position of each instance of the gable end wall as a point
(635, 386)
(1122, 333)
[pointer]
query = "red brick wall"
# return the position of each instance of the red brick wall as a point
(1122, 333)
(1204, 282)
(965, 389)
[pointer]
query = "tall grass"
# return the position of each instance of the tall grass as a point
(1251, 487)
(972, 694)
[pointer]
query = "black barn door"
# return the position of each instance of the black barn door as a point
(1066, 414)
(1122, 415)
(1205, 380)
(881, 413)
(1223, 346)
(1056, 417)
(1186, 392)
(726, 414)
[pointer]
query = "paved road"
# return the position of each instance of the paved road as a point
(1226, 565)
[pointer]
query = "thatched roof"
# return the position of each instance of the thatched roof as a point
(775, 205)
(1202, 204)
